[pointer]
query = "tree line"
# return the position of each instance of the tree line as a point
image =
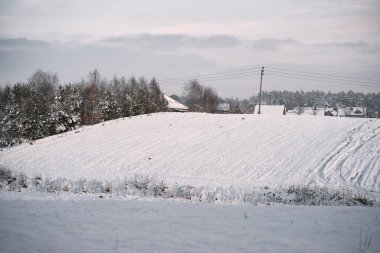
(201, 98)
(324, 99)
(41, 107)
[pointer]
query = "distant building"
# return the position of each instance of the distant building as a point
(175, 106)
(359, 112)
(330, 113)
(335, 112)
(317, 111)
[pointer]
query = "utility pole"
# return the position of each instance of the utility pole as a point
(261, 84)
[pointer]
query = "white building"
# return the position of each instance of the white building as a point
(175, 106)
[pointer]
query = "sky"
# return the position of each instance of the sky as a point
(168, 39)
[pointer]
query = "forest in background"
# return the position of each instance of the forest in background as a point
(41, 107)
(319, 99)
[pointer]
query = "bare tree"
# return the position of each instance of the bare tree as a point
(209, 100)
(91, 99)
(45, 83)
(193, 92)
(200, 98)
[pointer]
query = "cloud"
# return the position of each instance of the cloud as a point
(344, 45)
(358, 47)
(274, 44)
(173, 41)
(21, 43)
(277, 45)
(215, 41)
(72, 61)
(178, 55)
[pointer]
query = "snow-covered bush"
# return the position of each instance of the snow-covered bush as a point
(147, 186)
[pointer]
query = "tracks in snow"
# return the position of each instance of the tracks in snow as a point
(355, 162)
(211, 150)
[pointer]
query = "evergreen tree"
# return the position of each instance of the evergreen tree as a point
(67, 107)
(157, 101)
(11, 119)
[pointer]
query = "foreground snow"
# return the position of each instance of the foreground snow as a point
(212, 150)
(165, 226)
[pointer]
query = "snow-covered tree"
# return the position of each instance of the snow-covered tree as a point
(68, 107)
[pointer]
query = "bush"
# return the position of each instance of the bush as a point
(143, 185)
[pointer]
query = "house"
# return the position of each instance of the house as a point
(175, 106)
(271, 109)
(335, 112)
(317, 111)
(330, 113)
(359, 112)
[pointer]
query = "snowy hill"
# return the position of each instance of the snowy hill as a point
(212, 150)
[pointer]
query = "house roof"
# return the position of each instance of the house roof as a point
(173, 104)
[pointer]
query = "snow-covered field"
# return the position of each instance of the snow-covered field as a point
(78, 189)
(170, 226)
(212, 150)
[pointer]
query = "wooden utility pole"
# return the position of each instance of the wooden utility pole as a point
(261, 84)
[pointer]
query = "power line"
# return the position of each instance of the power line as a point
(321, 77)
(212, 79)
(215, 77)
(321, 80)
(319, 74)
(211, 74)
(278, 72)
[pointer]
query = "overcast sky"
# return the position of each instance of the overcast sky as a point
(181, 38)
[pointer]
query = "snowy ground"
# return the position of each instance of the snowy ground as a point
(201, 158)
(48, 225)
(212, 150)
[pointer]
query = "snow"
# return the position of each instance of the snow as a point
(270, 109)
(157, 226)
(214, 158)
(310, 112)
(212, 150)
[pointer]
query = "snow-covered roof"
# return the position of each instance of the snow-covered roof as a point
(175, 105)
(332, 112)
(270, 109)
